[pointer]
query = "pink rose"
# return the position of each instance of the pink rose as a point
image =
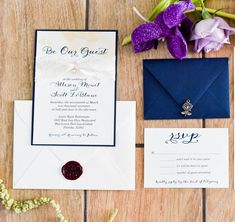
(211, 34)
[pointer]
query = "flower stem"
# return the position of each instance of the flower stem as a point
(113, 215)
(212, 11)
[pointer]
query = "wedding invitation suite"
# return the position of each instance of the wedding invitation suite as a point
(186, 158)
(103, 168)
(74, 92)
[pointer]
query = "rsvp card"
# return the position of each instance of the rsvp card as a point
(186, 158)
(74, 96)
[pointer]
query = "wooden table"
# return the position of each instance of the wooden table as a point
(18, 20)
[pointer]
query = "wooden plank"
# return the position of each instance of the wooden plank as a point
(144, 204)
(18, 19)
(220, 203)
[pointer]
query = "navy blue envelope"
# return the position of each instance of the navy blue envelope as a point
(186, 89)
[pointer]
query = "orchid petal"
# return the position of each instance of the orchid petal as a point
(207, 45)
(165, 31)
(218, 36)
(186, 5)
(174, 14)
(144, 36)
(224, 25)
(176, 44)
(194, 36)
(186, 28)
(200, 44)
(204, 28)
(215, 46)
(227, 33)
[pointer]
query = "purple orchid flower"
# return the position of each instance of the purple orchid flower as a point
(211, 34)
(166, 25)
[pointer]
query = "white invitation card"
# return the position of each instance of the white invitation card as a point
(186, 158)
(74, 95)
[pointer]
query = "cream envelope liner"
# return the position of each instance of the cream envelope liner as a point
(104, 168)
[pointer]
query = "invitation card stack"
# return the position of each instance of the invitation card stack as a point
(73, 134)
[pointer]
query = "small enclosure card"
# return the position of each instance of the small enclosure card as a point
(74, 92)
(183, 158)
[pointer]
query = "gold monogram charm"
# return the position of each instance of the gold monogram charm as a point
(187, 107)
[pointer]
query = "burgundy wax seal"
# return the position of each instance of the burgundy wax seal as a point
(72, 170)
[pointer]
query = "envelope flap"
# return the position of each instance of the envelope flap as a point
(188, 78)
(99, 163)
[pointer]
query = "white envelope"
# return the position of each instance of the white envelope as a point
(104, 168)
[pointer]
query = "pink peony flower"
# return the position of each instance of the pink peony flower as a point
(211, 34)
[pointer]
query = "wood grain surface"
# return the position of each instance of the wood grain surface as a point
(220, 203)
(18, 20)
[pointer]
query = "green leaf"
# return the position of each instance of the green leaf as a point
(196, 2)
(126, 40)
(197, 15)
(161, 6)
(205, 13)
